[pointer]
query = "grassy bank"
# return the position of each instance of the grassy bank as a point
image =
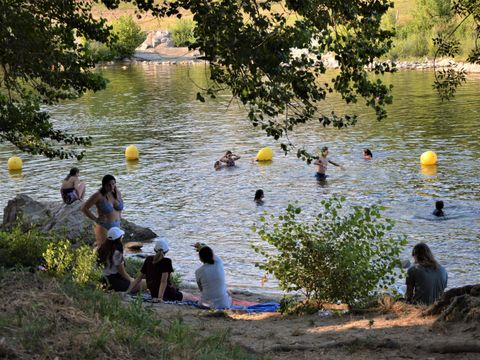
(44, 317)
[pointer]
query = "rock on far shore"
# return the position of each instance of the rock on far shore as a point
(62, 219)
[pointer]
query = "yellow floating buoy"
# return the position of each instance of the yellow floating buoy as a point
(131, 152)
(15, 163)
(265, 154)
(428, 158)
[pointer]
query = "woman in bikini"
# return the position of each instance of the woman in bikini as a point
(109, 203)
(72, 188)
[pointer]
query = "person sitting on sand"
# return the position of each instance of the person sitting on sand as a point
(72, 189)
(438, 208)
(211, 279)
(259, 197)
(229, 158)
(322, 164)
(157, 271)
(110, 255)
(367, 154)
(426, 279)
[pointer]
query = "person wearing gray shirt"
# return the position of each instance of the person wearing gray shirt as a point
(426, 278)
(211, 280)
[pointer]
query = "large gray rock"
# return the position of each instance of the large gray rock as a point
(63, 219)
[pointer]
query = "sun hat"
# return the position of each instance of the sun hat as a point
(115, 233)
(161, 244)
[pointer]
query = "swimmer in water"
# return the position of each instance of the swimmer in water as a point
(438, 209)
(367, 154)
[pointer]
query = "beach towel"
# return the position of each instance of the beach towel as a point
(237, 305)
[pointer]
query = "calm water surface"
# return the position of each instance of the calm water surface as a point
(174, 190)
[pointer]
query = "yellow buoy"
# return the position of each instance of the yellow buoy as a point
(131, 152)
(15, 163)
(265, 154)
(428, 158)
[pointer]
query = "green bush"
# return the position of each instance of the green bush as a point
(338, 255)
(127, 37)
(97, 51)
(80, 263)
(182, 32)
(22, 247)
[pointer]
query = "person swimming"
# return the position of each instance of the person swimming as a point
(322, 163)
(438, 209)
(229, 158)
(259, 197)
(218, 165)
(367, 154)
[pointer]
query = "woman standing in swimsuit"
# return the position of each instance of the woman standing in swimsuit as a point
(109, 203)
(72, 188)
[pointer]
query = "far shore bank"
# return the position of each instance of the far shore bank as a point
(182, 55)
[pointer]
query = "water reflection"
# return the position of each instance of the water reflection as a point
(174, 189)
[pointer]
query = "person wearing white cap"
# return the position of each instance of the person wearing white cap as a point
(111, 255)
(156, 270)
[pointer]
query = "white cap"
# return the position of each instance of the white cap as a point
(161, 244)
(115, 233)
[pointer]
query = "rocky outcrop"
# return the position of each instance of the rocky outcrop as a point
(63, 219)
(155, 38)
(458, 304)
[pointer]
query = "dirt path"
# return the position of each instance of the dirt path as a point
(402, 333)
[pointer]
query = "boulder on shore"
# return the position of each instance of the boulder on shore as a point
(63, 219)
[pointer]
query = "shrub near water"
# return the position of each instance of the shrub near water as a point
(338, 255)
(22, 248)
(182, 32)
(128, 37)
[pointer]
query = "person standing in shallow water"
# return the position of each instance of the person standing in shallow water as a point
(322, 164)
(109, 204)
(72, 188)
(426, 278)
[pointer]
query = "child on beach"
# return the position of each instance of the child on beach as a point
(322, 164)
(110, 255)
(72, 188)
(156, 270)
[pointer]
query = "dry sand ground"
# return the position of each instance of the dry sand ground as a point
(398, 332)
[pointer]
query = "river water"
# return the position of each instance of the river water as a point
(174, 190)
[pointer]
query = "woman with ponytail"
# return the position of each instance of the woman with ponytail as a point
(211, 279)
(426, 279)
(156, 270)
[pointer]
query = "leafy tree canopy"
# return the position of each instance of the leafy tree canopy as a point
(248, 44)
(42, 63)
(448, 80)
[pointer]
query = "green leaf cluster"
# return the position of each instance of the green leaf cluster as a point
(21, 246)
(338, 255)
(80, 262)
(41, 62)
(183, 32)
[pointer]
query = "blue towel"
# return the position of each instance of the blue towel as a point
(257, 308)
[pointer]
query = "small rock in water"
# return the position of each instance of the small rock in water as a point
(133, 245)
